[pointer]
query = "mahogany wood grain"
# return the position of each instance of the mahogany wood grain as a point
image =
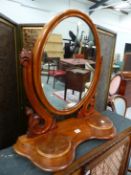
(55, 150)
(89, 161)
(51, 146)
(26, 61)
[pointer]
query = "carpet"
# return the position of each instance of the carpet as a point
(69, 96)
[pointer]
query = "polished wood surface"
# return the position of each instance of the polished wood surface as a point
(26, 61)
(48, 144)
(89, 154)
(111, 158)
(55, 150)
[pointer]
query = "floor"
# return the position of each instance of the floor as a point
(49, 92)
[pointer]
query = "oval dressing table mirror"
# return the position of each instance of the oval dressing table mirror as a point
(60, 78)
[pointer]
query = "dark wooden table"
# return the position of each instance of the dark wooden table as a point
(76, 62)
(75, 79)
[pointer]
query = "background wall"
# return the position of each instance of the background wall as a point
(37, 11)
(40, 11)
(119, 24)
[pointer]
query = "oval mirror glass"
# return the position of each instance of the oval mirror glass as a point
(68, 63)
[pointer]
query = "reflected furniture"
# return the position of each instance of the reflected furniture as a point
(75, 79)
(54, 47)
(92, 156)
(54, 70)
(79, 56)
(76, 62)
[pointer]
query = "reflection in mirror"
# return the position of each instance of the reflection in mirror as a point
(68, 63)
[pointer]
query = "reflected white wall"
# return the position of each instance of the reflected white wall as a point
(76, 25)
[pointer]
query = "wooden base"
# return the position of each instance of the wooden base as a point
(55, 150)
(52, 146)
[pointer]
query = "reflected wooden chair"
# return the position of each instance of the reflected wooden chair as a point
(75, 79)
(54, 70)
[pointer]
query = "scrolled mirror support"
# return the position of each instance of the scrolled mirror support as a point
(53, 147)
(39, 112)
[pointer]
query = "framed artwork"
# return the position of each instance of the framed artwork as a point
(29, 35)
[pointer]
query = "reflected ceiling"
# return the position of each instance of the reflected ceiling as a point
(123, 6)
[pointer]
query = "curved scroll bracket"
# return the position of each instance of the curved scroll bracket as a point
(25, 57)
(54, 147)
(26, 61)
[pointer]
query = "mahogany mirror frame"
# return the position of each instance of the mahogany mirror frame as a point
(37, 55)
(51, 145)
